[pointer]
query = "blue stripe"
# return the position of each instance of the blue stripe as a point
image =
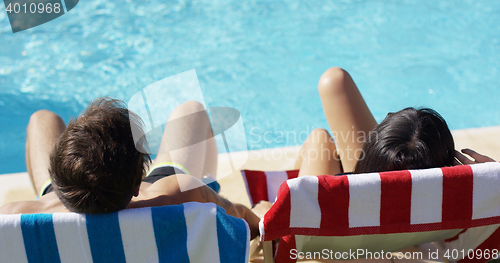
(105, 238)
(170, 228)
(39, 238)
(232, 237)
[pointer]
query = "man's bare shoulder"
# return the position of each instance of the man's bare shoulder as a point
(46, 204)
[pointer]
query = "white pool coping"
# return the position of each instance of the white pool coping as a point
(17, 186)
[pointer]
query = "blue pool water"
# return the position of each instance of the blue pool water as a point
(263, 58)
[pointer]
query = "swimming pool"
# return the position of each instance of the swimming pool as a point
(263, 58)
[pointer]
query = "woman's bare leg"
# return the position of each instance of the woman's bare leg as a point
(318, 155)
(43, 132)
(347, 114)
(189, 141)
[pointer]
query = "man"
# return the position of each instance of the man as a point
(93, 165)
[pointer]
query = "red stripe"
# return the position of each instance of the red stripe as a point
(277, 219)
(455, 237)
(491, 243)
(333, 199)
(257, 186)
(292, 174)
(485, 221)
(371, 230)
(457, 196)
(283, 255)
(395, 201)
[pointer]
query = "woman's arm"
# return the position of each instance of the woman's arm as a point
(478, 158)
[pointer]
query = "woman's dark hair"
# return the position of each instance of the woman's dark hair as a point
(408, 139)
(95, 167)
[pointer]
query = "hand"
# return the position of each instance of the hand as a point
(478, 158)
(261, 208)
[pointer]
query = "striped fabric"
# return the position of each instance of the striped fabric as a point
(460, 197)
(264, 185)
(192, 232)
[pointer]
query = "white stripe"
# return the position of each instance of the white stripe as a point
(304, 211)
(364, 200)
(247, 250)
(262, 230)
(72, 238)
(426, 196)
(486, 194)
(201, 223)
(470, 239)
(139, 243)
(11, 239)
(274, 180)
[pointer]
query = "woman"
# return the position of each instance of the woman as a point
(408, 139)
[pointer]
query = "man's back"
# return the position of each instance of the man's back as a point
(165, 191)
(96, 167)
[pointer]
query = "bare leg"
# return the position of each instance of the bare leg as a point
(318, 155)
(198, 158)
(44, 130)
(347, 114)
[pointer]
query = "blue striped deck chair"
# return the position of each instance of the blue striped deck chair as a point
(191, 232)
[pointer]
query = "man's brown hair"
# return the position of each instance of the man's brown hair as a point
(95, 167)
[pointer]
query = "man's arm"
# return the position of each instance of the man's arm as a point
(48, 203)
(237, 210)
(167, 191)
(10, 208)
